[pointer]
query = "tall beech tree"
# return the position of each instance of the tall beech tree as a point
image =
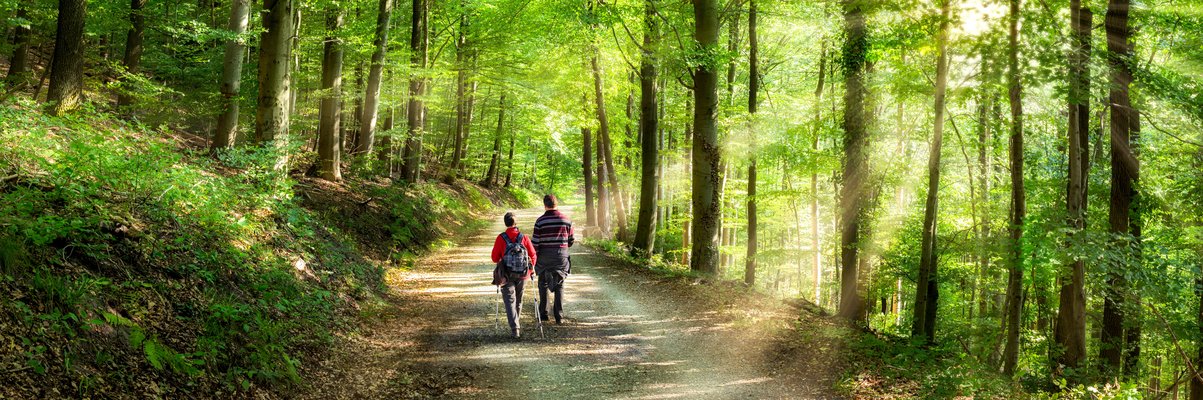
(1070, 330)
(707, 171)
(605, 153)
(275, 54)
(1120, 336)
(494, 163)
(927, 286)
(328, 153)
(133, 45)
(649, 128)
(371, 96)
(1014, 295)
(231, 75)
(18, 64)
(855, 160)
(66, 90)
(753, 102)
(415, 114)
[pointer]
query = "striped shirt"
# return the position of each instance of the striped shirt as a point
(553, 230)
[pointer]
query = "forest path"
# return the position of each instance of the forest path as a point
(628, 334)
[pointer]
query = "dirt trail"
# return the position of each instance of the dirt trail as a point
(629, 334)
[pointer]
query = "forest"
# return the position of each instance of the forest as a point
(237, 198)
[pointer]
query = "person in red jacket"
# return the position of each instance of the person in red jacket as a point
(512, 283)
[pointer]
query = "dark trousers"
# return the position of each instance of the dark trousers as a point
(551, 281)
(511, 295)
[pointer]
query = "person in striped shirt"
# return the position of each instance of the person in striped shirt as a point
(552, 237)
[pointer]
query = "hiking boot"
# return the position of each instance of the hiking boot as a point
(544, 318)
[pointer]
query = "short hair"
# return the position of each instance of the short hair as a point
(509, 219)
(550, 201)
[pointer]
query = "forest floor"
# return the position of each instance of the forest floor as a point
(629, 333)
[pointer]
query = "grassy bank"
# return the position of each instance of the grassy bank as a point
(140, 266)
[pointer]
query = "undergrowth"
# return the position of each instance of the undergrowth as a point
(138, 266)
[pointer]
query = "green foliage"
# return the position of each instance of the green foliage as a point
(216, 271)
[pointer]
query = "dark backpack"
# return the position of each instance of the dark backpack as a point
(516, 260)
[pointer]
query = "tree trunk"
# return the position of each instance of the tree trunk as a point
(606, 157)
(272, 116)
(649, 126)
(1015, 296)
(603, 195)
(18, 65)
(733, 49)
(814, 178)
(1118, 325)
(707, 153)
(856, 45)
(331, 107)
(753, 88)
(462, 114)
(66, 71)
(415, 114)
(590, 207)
(1070, 332)
(491, 175)
(231, 76)
(927, 285)
(509, 169)
(133, 47)
(371, 96)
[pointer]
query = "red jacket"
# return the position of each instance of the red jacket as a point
(512, 233)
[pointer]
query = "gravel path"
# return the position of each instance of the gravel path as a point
(629, 334)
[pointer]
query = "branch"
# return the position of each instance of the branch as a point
(1174, 335)
(1176, 137)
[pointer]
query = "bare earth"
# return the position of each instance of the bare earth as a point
(629, 334)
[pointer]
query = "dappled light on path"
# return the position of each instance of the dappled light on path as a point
(627, 334)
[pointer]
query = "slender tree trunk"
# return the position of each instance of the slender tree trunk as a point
(1070, 332)
(1118, 325)
(462, 114)
(272, 116)
(231, 76)
(1014, 306)
(133, 47)
(371, 96)
(606, 157)
(331, 108)
(814, 178)
(18, 65)
(509, 169)
(927, 293)
(856, 45)
(66, 71)
(590, 208)
(494, 164)
(733, 43)
(415, 114)
(649, 126)
(753, 88)
(707, 153)
(603, 195)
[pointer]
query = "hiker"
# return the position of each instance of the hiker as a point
(514, 256)
(553, 236)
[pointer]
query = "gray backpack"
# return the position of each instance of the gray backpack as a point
(516, 260)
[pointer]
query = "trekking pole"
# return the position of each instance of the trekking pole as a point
(497, 310)
(538, 317)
